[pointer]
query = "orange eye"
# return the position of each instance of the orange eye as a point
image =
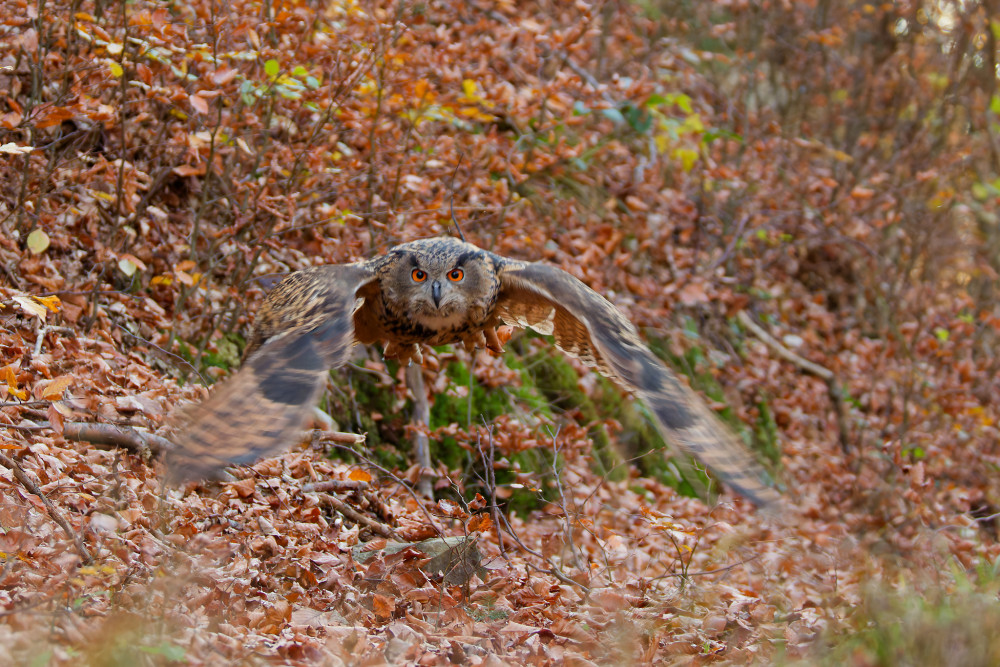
(456, 275)
(418, 275)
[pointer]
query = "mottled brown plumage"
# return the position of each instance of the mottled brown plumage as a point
(436, 292)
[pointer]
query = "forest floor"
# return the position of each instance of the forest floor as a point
(817, 272)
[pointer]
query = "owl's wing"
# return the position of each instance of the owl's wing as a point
(304, 328)
(588, 326)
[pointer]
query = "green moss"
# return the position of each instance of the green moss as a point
(558, 382)
(766, 433)
(227, 353)
(357, 397)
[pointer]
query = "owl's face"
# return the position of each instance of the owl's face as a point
(441, 283)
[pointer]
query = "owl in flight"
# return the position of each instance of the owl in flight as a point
(435, 292)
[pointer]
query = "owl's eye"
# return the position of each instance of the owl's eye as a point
(419, 275)
(456, 275)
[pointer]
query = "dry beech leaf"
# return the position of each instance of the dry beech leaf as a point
(383, 607)
(358, 475)
(199, 104)
(56, 387)
(480, 523)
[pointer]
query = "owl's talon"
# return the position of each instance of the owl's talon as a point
(493, 343)
(403, 353)
(473, 341)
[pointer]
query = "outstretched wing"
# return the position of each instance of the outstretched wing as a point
(304, 328)
(588, 326)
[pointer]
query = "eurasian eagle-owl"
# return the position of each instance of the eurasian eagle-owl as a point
(435, 292)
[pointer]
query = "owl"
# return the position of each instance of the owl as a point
(433, 292)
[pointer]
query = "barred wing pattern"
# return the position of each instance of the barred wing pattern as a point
(586, 325)
(305, 329)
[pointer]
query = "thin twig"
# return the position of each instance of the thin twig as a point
(334, 485)
(781, 350)
(488, 457)
(54, 512)
(832, 386)
(707, 572)
(388, 473)
(356, 516)
(553, 569)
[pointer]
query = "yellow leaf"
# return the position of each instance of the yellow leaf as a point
(8, 376)
(687, 156)
(116, 69)
(359, 476)
(693, 123)
(38, 241)
(54, 389)
(51, 302)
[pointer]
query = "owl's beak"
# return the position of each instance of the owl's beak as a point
(436, 292)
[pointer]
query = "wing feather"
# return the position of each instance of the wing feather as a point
(586, 325)
(304, 329)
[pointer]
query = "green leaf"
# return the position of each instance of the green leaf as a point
(995, 104)
(942, 334)
(171, 652)
(638, 118)
(271, 68)
(684, 102)
(300, 71)
(715, 133)
(656, 100)
(580, 109)
(38, 241)
(615, 115)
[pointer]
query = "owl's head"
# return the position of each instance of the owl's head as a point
(441, 283)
